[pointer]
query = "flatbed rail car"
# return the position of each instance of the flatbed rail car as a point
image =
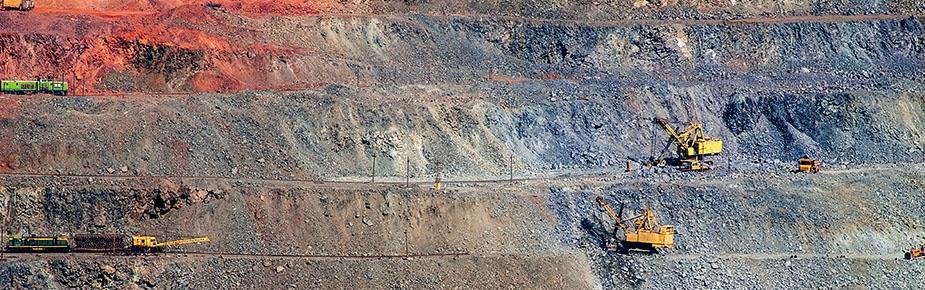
(33, 87)
(99, 242)
(39, 244)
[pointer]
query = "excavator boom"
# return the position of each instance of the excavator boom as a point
(609, 210)
(677, 138)
(183, 242)
(147, 244)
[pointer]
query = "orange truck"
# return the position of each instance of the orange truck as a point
(916, 253)
(24, 5)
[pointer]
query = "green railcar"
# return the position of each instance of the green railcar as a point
(38, 244)
(34, 87)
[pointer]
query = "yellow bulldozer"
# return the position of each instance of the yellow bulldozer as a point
(692, 145)
(148, 244)
(24, 5)
(645, 235)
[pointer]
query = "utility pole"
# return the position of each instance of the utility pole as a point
(6, 218)
(438, 182)
(652, 140)
(407, 172)
(374, 168)
(511, 160)
(511, 168)
(407, 252)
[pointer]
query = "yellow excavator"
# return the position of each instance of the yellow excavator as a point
(147, 244)
(24, 5)
(646, 234)
(693, 145)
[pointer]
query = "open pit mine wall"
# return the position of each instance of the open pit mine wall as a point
(546, 126)
(376, 51)
(525, 8)
(461, 96)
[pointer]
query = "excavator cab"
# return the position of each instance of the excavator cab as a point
(703, 146)
(144, 242)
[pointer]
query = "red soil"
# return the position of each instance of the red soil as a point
(92, 43)
(127, 7)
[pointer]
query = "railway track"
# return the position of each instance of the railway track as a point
(202, 254)
(295, 180)
(785, 255)
(547, 176)
(448, 255)
(324, 257)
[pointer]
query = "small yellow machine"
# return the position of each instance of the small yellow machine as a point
(810, 165)
(646, 235)
(145, 244)
(24, 5)
(916, 253)
(693, 145)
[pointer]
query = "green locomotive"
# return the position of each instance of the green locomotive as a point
(34, 87)
(38, 244)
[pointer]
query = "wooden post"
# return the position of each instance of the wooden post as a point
(374, 168)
